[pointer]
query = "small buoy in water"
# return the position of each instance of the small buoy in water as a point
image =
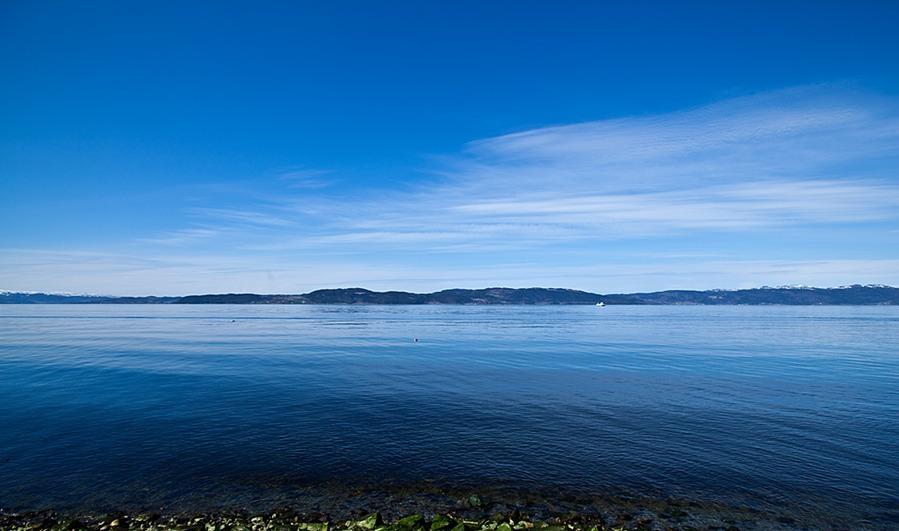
(233, 321)
(416, 340)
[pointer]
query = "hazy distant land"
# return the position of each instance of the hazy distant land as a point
(786, 295)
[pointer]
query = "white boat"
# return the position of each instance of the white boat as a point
(600, 303)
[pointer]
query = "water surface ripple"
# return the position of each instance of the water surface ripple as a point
(148, 406)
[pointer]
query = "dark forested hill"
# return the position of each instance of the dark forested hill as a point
(11, 297)
(848, 295)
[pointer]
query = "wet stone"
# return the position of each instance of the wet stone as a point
(440, 522)
(628, 517)
(369, 523)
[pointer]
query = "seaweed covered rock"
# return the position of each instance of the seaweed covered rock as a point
(440, 521)
(369, 523)
(292, 521)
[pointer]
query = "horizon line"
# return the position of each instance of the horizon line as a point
(762, 287)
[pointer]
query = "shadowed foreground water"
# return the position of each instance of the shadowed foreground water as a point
(250, 406)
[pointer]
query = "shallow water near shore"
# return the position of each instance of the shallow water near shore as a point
(790, 409)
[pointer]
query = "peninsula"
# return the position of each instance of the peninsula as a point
(872, 294)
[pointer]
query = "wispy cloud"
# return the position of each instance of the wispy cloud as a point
(727, 207)
(174, 274)
(247, 217)
(182, 237)
(306, 178)
(798, 157)
(793, 134)
(621, 204)
(804, 156)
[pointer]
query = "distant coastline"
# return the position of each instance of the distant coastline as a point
(872, 294)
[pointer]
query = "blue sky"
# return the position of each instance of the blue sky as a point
(153, 148)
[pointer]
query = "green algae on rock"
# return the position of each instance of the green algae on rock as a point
(273, 522)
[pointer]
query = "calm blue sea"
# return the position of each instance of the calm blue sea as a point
(153, 406)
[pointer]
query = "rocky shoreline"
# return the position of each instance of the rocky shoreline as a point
(287, 520)
(427, 512)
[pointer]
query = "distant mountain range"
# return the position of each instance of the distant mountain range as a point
(792, 295)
